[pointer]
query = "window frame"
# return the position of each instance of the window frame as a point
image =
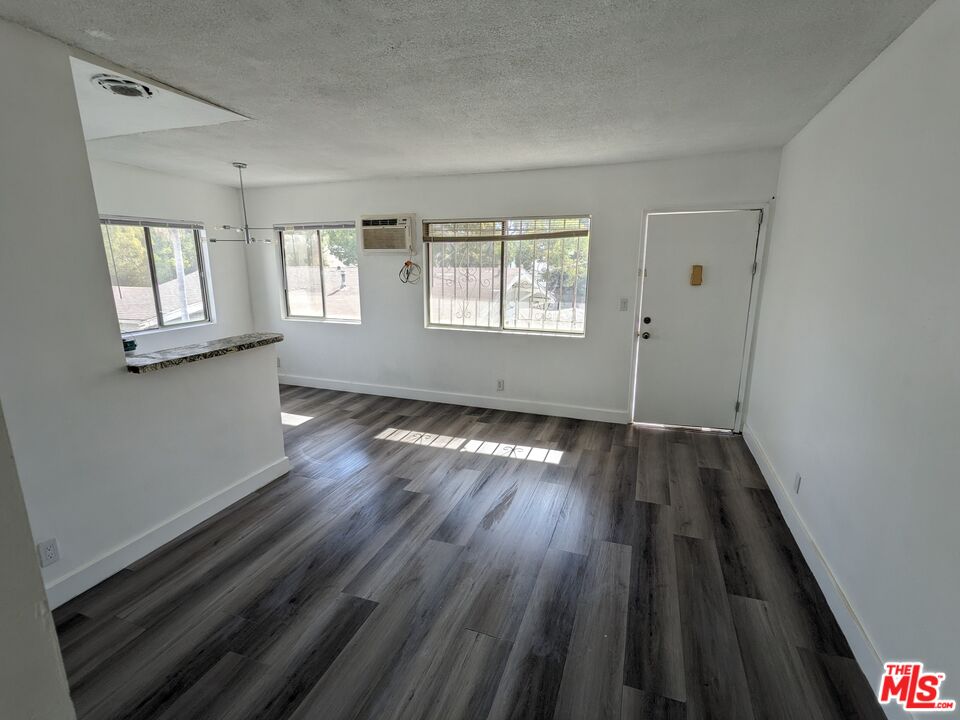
(502, 329)
(314, 227)
(199, 232)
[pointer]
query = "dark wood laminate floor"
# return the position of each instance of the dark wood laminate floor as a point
(437, 561)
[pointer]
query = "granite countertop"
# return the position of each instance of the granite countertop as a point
(149, 362)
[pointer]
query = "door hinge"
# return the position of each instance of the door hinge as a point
(753, 269)
(737, 406)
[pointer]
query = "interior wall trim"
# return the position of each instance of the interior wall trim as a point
(62, 589)
(864, 650)
(577, 412)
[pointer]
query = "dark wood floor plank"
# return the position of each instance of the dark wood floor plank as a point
(333, 557)
(616, 521)
(716, 684)
(103, 637)
(504, 558)
(741, 463)
(789, 584)
(375, 577)
(301, 651)
(628, 434)
(839, 689)
(653, 476)
(155, 651)
(639, 705)
(475, 665)
(169, 674)
(372, 672)
(494, 488)
(686, 493)
(486, 590)
(575, 528)
(598, 504)
(209, 697)
(709, 450)
(736, 532)
(654, 646)
(566, 434)
(564, 472)
(102, 599)
(593, 674)
(779, 688)
(77, 628)
(534, 669)
(428, 465)
(596, 436)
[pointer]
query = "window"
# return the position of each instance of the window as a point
(320, 274)
(526, 274)
(157, 274)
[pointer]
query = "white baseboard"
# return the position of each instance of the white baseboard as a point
(85, 577)
(864, 650)
(578, 412)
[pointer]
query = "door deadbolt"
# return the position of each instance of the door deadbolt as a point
(647, 320)
(645, 336)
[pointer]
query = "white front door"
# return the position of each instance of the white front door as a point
(692, 336)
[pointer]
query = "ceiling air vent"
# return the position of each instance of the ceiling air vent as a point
(122, 86)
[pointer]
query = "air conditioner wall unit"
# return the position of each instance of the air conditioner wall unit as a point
(387, 233)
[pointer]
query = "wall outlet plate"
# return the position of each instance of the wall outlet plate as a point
(624, 304)
(49, 552)
(499, 385)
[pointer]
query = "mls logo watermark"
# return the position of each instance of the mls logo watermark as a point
(916, 690)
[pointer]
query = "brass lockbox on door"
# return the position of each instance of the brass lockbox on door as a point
(696, 274)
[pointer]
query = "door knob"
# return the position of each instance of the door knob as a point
(645, 336)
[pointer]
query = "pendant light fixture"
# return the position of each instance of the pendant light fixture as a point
(246, 237)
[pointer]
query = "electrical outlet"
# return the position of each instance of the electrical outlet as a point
(624, 304)
(796, 484)
(49, 552)
(500, 385)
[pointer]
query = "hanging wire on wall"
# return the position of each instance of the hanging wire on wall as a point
(247, 238)
(410, 272)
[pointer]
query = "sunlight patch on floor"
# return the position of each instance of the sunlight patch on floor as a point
(479, 447)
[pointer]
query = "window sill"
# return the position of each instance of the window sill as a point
(167, 328)
(498, 331)
(324, 321)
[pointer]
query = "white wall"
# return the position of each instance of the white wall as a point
(133, 191)
(104, 456)
(33, 683)
(856, 383)
(392, 352)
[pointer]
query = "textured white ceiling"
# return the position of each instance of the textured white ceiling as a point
(359, 88)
